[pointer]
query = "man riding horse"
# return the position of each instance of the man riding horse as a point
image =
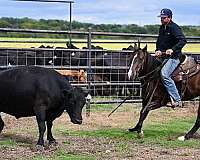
(146, 68)
(170, 41)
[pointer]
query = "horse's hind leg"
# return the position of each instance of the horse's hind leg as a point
(194, 128)
(1, 124)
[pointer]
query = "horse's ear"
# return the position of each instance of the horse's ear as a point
(145, 48)
(135, 47)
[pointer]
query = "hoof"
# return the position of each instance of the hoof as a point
(132, 130)
(141, 134)
(53, 143)
(39, 148)
(182, 138)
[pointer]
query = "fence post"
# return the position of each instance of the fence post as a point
(138, 42)
(70, 23)
(89, 41)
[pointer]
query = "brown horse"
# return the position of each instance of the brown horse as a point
(154, 94)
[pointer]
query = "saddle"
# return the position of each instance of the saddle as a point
(187, 68)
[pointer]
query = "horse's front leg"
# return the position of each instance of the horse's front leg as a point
(143, 114)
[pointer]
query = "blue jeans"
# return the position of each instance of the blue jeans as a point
(169, 84)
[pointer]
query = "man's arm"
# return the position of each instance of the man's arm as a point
(177, 32)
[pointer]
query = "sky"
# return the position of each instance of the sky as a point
(140, 12)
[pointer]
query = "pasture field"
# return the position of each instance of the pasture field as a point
(109, 46)
(100, 137)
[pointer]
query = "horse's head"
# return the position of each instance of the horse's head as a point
(137, 63)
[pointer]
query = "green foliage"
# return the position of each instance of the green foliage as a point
(27, 23)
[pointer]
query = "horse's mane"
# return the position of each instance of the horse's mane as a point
(153, 61)
(150, 63)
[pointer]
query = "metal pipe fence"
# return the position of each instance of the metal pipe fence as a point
(93, 42)
(102, 72)
(87, 33)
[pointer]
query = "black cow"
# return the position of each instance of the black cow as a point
(45, 56)
(35, 91)
(59, 56)
(80, 58)
(115, 64)
(12, 57)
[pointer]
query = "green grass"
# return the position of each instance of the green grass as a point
(62, 155)
(7, 143)
(154, 134)
(109, 46)
(166, 134)
(100, 107)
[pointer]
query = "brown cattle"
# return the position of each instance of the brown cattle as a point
(80, 75)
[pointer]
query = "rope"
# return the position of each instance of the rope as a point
(119, 105)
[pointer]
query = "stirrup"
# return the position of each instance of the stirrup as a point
(174, 104)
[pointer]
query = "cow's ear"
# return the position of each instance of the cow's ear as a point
(88, 97)
(85, 92)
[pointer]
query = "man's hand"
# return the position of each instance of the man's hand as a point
(169, 52)
(158, 53)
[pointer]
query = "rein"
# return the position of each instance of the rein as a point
(155, 70)
(148, 74)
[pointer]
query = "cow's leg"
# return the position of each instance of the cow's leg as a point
(194, 128)
(120, 89)
(50, 138)
(40, 116)
(1, 124)
(134, 90)
(143, 114)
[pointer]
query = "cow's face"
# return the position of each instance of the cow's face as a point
(75, 102)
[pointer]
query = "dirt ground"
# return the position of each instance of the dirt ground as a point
(24, 132)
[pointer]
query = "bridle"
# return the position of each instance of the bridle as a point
(149, 74)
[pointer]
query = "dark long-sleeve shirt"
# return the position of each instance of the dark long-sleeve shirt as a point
(171, 37)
